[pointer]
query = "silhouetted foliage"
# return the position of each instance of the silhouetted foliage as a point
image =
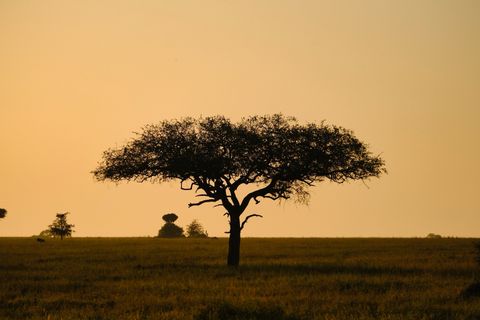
(216, 157)
(46, 234)
(60, 227)
(196, 230)
(3, 213)
(170, 229)
(170, 217)
(433, 236)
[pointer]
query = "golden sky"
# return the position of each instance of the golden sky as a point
(78, 77)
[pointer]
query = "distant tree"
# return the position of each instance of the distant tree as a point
(170, 229)
(433, 236)
(60, 227)
(271, 157)
(170, 217)
(196, 230)
(3, 213)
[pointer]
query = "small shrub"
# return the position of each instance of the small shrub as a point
(46, 234)
(196, 230)
(170, 230)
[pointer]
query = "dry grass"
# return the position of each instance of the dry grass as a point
(149, 278)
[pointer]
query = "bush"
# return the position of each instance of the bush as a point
(170, 230)
(46, 234)
(196, 230)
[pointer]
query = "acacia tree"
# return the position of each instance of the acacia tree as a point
(3, 213)
(269, 157)
(60, 227)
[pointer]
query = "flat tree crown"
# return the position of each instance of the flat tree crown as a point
(170, 217)
(215, 154)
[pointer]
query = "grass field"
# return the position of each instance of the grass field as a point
(150, 278)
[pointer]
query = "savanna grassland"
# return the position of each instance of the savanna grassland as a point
(150, 278)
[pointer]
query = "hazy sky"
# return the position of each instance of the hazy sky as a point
(78, 77)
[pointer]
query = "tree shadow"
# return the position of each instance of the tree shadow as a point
(472, 291)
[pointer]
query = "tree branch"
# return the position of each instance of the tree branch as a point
(246, 179)
(248, 217)
(202, 202)
(205, 187)
(234, 198)
(183, 188)
(276, 197)
(202, 195)
(258, 193)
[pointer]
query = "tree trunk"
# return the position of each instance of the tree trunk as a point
(234, 241)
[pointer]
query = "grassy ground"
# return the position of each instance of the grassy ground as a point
(148, 278)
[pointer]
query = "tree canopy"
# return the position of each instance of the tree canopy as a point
(3, 213)
(170, 217)
(214, 156)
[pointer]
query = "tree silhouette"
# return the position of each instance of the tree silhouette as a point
(3, 213)
(46, 234)
(196, 230)
(60, 227)
(170, 229)
(170, 217)
(269, 157)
